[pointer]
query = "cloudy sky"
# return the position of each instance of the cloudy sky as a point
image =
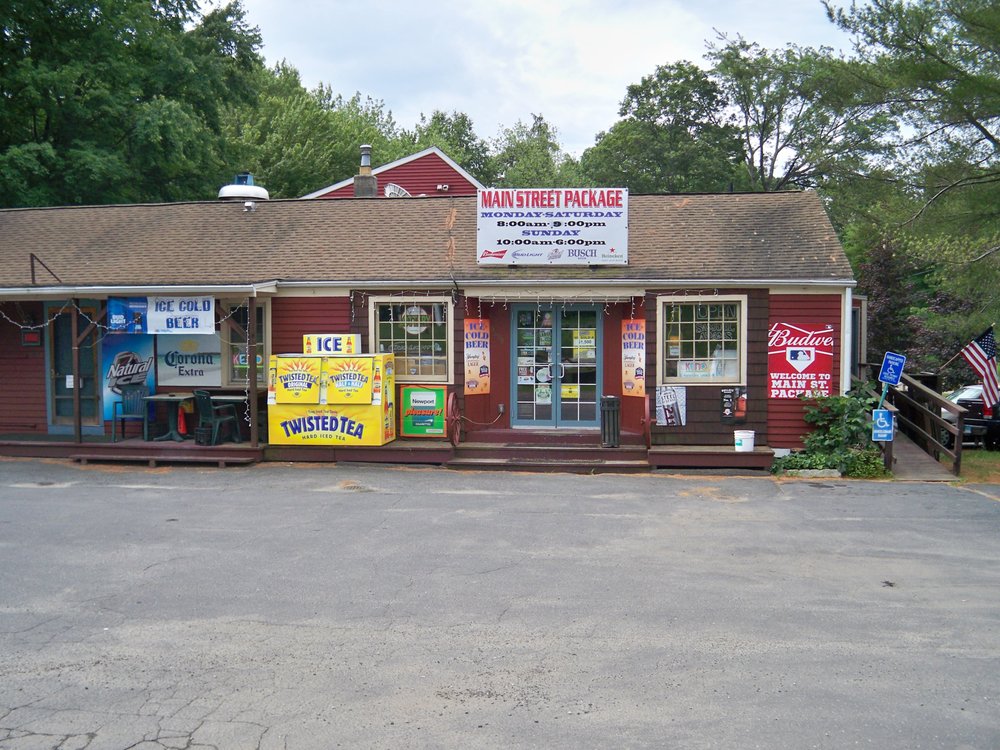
(502, 61)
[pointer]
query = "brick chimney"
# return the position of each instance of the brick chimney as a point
(366, 184)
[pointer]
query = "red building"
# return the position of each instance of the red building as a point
(430, 172)
(706, 314)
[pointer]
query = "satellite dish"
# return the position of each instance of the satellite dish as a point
(392, 190)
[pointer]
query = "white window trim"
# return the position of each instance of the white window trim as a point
(224, 342)
(661, 339)
(446, 300)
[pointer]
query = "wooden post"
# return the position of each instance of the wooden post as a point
(252, 369)
(75, 337)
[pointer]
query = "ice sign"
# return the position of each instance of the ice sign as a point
(892, 368)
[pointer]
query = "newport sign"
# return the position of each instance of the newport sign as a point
(552, 226)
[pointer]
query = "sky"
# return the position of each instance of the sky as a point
(503, 61)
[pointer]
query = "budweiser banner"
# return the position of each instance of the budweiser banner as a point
(799, 360)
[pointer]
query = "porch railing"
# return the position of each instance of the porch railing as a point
(920, 410)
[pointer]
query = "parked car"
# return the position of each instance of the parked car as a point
(977, 428)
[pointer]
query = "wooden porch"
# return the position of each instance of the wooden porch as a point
(500, 450)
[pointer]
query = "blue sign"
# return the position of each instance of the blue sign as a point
(883, 424)
(126, 359)
(127, 314)
(892, 368)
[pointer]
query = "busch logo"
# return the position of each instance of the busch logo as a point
(128, 369)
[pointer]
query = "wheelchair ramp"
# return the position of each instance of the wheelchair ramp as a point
(912, 463)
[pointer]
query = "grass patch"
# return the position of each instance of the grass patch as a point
(981, 466)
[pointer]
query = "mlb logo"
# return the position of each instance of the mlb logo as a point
(800, 357)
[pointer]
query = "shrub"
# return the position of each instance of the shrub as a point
(866, 463)
(841, 438)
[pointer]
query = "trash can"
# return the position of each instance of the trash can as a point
(611, 421)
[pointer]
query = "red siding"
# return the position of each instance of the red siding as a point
(482, 409)
(292, 317)
(22, 373)
(785, 424)
(418, 177)
(704, 402)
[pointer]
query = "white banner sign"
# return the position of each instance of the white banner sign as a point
(552, 226)
(187, 315)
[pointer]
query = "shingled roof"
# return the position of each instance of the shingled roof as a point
(726, 238)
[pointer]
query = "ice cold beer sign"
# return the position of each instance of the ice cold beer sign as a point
(799, 361)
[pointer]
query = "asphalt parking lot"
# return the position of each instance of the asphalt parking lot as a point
(310, 606)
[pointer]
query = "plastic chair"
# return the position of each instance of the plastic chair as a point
(216, 415)
(132, 405)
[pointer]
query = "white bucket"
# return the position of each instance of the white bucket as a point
(744, 440)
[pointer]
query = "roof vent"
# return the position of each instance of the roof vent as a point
(243, 189)
(392, 190)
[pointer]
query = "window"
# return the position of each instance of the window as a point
(419, 332)
(233, 338)
(702, 340)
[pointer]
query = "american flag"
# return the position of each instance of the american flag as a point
(981, 354)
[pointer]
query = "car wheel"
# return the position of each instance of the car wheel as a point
(992, 444)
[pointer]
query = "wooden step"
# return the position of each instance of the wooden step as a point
(709, 457)
(549, 452)
(164, 458)
(542, 465)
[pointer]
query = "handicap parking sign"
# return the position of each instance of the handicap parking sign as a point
(892, 368)
(883, 424)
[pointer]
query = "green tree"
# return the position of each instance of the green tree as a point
(117, 100)
(934, 66)
(799, 120)
(674, 137)
(530, 156)
(296, 141)
(455, 135)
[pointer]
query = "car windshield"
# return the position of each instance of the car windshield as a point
(967, 393)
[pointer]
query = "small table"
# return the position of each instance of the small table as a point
(173, 402)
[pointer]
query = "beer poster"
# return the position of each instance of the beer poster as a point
(799, 360)
(189, 361)
(633, 357)
(671, 405)
(477, 356)
(126, 359)
(127, 314)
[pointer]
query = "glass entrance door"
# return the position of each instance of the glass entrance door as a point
(556, 377)
(61, 368)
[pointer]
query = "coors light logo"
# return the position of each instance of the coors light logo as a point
(128, 369)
